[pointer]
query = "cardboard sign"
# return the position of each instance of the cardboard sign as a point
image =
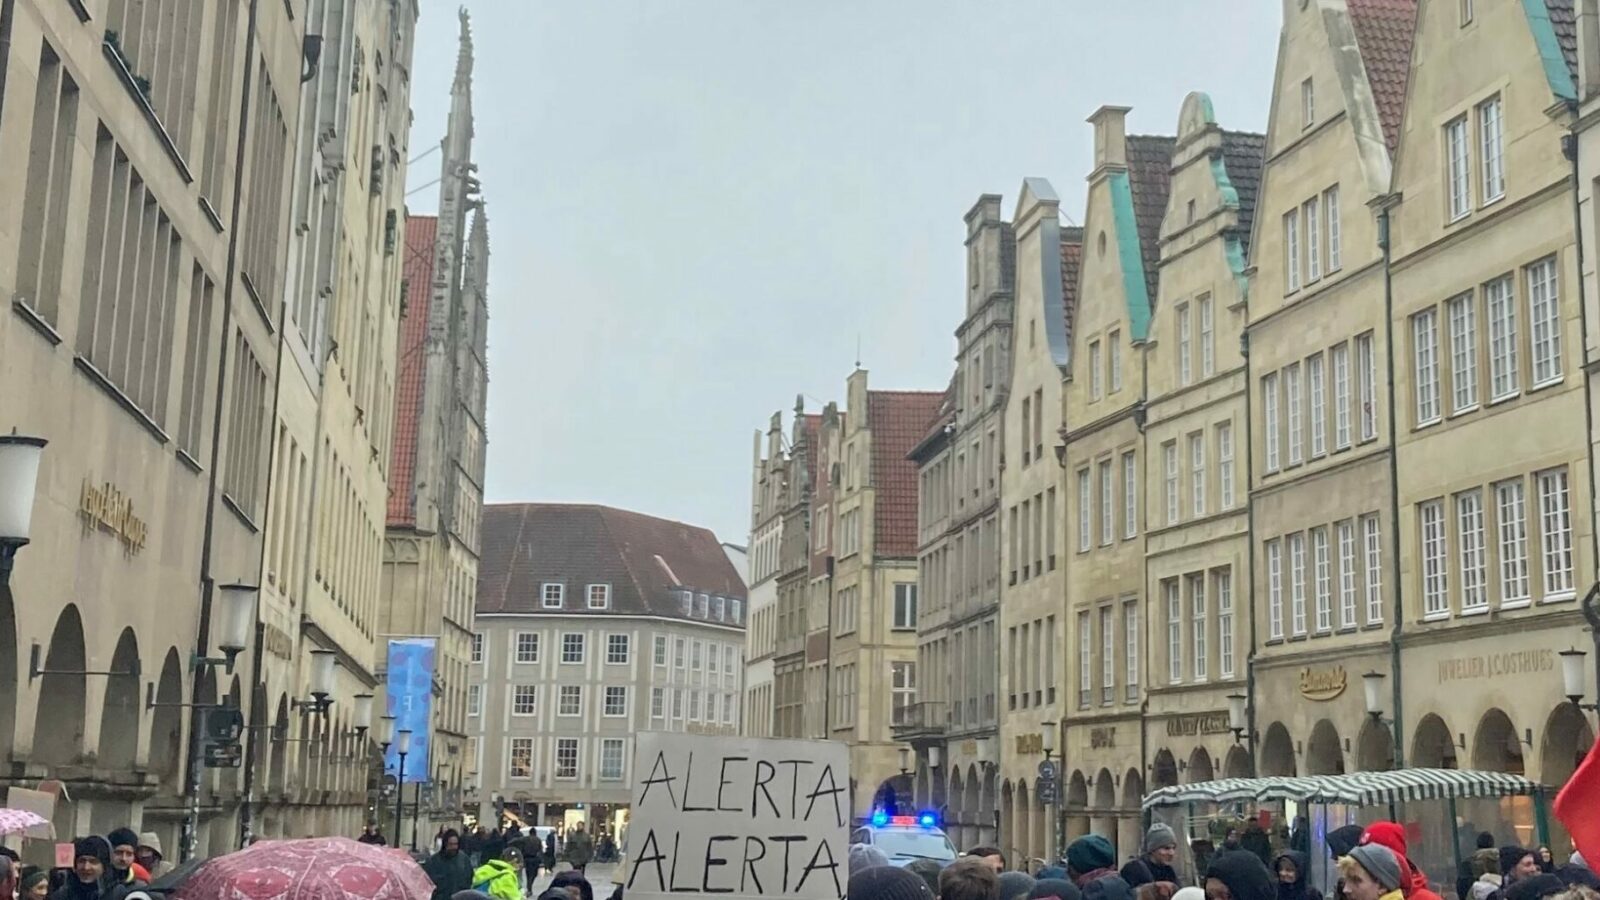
(64, 856)
(738, 817)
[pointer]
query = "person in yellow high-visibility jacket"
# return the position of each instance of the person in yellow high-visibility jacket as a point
(501, 878)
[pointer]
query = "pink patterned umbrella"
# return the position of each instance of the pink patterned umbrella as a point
(333, 868)
(14, 821)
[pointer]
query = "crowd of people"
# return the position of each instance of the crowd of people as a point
(109, 867)
(1373, 863)
(504, 865)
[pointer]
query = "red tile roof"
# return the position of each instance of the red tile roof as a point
(897, 420)
(417, 272)
(643, 558)
(1384, 32)
(1564, 20)
(1071, 263)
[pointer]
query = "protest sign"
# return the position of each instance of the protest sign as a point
(738, 816)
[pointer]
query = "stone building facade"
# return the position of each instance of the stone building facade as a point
(769, 482)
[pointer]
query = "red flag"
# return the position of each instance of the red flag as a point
(1577, 803)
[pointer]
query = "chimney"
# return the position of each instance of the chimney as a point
(985, 225)
(1588, 49)
(1110, 136)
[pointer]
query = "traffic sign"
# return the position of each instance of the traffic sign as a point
(1047, 770)
(224, 756)
(1046, 790)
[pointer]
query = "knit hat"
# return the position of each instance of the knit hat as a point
(1340, 840)
(1510, 856)
(886, 883)
(928, 870)
(1108, 887)
(1088, 853)
(1575, 875)
(865, 856)
(1160, 835)
(1059, 873)
(1535, 887)
(1059, 888)
(1015, 884)
(1485, 840)
(1245, 875)
(94, 845)
(32, 877)
(122, 837)
(1393, 836)
(1380, 862)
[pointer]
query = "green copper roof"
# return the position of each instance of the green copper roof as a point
(1130, 257)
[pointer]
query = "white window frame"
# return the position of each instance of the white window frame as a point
(1291, 248)
(658, 703)
(1330, 211)
(1269, 419)
(1085, 512)
(1511, 523)
(1425, 369)
(1225, 496)
(1346, 531)
(1108, 528)
(1172, 591)
(1470, 551)
(1273, 552)
(1222, 582)
(1294, 419)
(1322, 579)
(606, 757)
(1130, 495)
(1208, 350)
(1462, 313)
(582, 644)
(1505, 375)
(613, 641)
(1367, 372)
(1317, 388)
(1096, 375)
(566, 768)
(532, 643)
(474, 700)
(1491, 135)
(1544, 317)
(524, 700)
(1108, 656)
(552, 594)
(1113, 362)
(477, 647)
(1435, 562)
(1185, 344)
(1085, 660)
(1197, 474)
(1457, 169)
(1312, 215)
(1308, 104)
(612, 692)
(1339, 359)
(905, 606)
(1555, 535)
(1372, 541)
(1297, 583)
(519, 748)
(658, 651)
(1169, 468)
(1130, 650)
(569, 701)
(1197, 627)
(599, 596)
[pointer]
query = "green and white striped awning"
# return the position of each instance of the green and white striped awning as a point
(1354, 789)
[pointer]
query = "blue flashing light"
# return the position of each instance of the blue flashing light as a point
(928, 820)
(880, 818)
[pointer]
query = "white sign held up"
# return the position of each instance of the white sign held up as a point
(738, 817)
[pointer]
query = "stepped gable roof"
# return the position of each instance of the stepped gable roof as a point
(898, 420)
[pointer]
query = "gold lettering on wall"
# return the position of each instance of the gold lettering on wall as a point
(108, 509)
(1494, 665)
(1201, 723)
(1102, 737)
(1322, 684)
(1030, 743)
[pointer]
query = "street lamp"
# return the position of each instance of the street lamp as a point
(19, 479)
(236, 620)
(361, 713)
(402, 746)
(385, 733)
(1372, 684)
(1572, 677)
(905, 760)
(1047, 738)
(322, 662)
(1236, 716)
(1049, 776)
(933, 756)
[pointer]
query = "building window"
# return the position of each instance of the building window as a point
(902, 688)
(1113, 362)
(696, 654)
(1085, 505)
(1197, 625)
(1463, 352)
(1313, 221)
(1107, 517)
(1291, 248)
(1469, 529)
(1095, 373)
(1316, 383)
(1330, 211)
(521, 758)
(658, 703)
(1130, 650)
(1512, 517)
(611, 759)
(1425, 346)
(1322, 579)
(477, 648)
(1340, 356)
(1224, 589)
(1274, 553)
(1225, 464)
(1489, 131)
(660, 650)
(905, 607)
(719, 608)
(679, 695)
(1208, 350)
(1347, 575)
(572, 648)
(1308, 105)
(1504, 378)
(527, 646)
(599, 596)
(1185, 344)
(678, 652)
(1435, 578)
(553, 595)
(1085, 659)
(571, 700)
(524, 699)
(618, 647)
(1367, 368)
(1458, 166)
(474, 700)
(712, 659)
(1297, 584)
(1172, 593)
(736, 610)
(702, 606)
(1544, 314)
(1292, 399)
(1169, 467)
(1197, 474)
(1374, 552)
(1108, 657)
(616, 700)
(566, 758)
(1130, 496)
(1555, 534)
(1269, 418)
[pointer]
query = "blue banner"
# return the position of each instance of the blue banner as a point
(410, 700)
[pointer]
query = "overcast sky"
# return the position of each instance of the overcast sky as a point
(698, 207)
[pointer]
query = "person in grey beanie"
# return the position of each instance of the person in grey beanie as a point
(1015, 884)
(866, 856)
(886, 883)
(1155, 864)
(1371, 872)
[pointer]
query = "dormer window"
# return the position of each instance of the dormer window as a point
(599, 596)
(718, 609)
(702, 605)
(553, 593)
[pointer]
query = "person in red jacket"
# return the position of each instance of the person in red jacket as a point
(1413, 883)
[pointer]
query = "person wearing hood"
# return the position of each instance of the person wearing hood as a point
(1293, 868)
(1372, 872)
(928, 870)
(1015, 885)
(372, 834)
(1257, 841)
(91, 861)
(575, 883)
(1517, 863)
(34, 884)
(149, 854)
(1155, 865)
(1239, 875)
(886, 883)
(500, 878)
(1107, 887)
(1088, 858)
(865, 856)
(121, 876)
(1482, 860)
(1413, 884)
(1536, 887)
(449, 868)
(1057, 888)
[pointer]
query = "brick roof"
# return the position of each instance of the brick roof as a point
(1242, 154)
(1150, 180)
(1071, 263)
(1384, 32)
(897, 420)
(417, 272)
(643, 558)
(1565, 22)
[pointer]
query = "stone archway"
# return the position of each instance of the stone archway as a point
(1105, 807)
(894, 796)
(1130, 831)
(119, 715)
(8, 673)
(1200, 767)
(1008, 813)
(1277, 751)
(1432, 747)
(1022, 830)
(1567, 740)
(59, 723)
(228, 779)
(1237, 764)
(972, 805)
(1077, 807)
(988, 805)
(1324, 756)
(1374, 747)
(165, 753)
(1163, 770)
(1496, 747)
(278, 747)
(954, 815)
(1039, 843)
